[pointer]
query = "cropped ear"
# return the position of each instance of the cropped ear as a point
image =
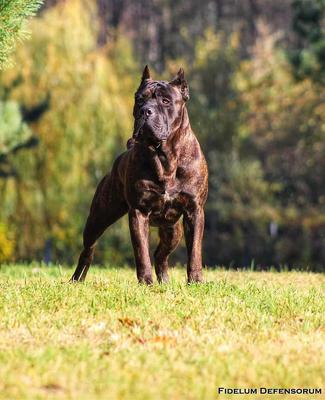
(180, 82)
(145, 74)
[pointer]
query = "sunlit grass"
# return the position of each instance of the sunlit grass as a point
(111, 338)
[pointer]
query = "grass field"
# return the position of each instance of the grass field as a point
(111, 338)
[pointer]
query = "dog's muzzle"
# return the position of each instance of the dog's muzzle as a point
(150, 130)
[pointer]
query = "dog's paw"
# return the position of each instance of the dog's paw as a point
(146, 280)
(195, 277)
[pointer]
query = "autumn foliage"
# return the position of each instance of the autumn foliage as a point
(67, 104)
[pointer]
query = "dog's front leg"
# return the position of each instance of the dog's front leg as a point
(139, 229)
(193, 229)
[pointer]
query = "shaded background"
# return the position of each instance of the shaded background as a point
(256, 75)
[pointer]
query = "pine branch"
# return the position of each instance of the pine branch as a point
(13, 17)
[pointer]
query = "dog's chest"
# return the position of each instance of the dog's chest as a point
(163, 204)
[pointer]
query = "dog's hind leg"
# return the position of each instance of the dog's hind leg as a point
(169, 236)
(93, 230)
(106, 208)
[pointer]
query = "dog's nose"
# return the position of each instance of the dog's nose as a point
(146, 111)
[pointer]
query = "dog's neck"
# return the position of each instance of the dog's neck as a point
(164, 158)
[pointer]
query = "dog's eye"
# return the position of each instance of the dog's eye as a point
(165, 101)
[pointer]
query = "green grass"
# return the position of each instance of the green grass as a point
(111, 338)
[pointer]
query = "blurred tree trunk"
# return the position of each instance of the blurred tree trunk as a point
(165, 29)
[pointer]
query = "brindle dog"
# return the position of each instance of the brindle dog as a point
(162, 176)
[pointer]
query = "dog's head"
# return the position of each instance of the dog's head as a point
(159, 106)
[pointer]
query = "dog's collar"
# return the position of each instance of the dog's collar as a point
(152, 146)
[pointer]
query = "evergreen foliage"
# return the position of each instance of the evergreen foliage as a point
(13, 15)
(14, 135)
(308, 56)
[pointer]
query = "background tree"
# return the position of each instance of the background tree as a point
(283, 127)
(14, 134)
(259, 118)
(90, 108)
(161, 30)
(308, 54)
